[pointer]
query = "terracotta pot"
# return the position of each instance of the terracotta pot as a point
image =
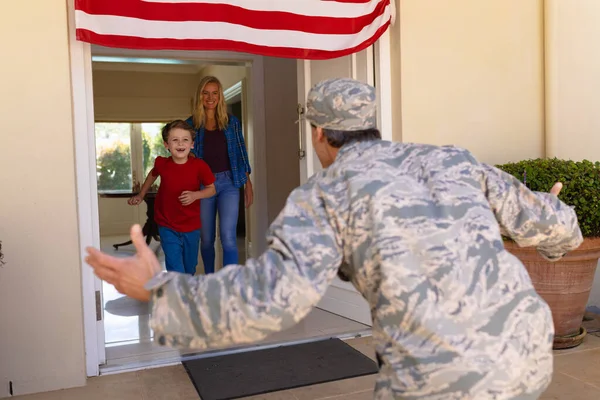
(565, 285)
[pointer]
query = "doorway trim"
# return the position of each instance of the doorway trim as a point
(383, 83)
(87, 204)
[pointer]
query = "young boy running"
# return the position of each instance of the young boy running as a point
(177, 206)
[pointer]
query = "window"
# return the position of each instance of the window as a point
(153, 146)
(125, 154)
(113, 157)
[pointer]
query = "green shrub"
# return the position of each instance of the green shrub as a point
(581, 186)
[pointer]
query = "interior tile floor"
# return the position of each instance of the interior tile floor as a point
(129, 340)
(576, 377)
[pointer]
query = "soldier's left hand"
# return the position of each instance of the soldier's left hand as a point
(128, 275)
(556, 188)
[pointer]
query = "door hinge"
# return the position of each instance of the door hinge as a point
(98, 306)
(300, 112)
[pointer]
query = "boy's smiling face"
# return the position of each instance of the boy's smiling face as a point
(180, 143)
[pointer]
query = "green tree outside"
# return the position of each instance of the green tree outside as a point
(113, 156)
(114, 168)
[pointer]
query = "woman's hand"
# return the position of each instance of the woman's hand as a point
(248, 194)
(556, 188)
(188, 197)
(127, 275)
(135, 200)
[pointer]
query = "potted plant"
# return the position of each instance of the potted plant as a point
(565, 284)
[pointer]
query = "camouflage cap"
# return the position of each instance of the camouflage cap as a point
(342, 104)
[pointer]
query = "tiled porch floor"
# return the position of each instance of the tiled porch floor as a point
(576, 376)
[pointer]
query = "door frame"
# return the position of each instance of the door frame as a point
(383, 83)
(87, 203)
(85, 155)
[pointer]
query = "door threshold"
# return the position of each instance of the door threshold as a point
(170, 359)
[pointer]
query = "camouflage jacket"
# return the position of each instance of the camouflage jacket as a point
(417, 230)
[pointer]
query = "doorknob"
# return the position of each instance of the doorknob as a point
(300, 122)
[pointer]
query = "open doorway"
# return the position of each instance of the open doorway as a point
(133, 96)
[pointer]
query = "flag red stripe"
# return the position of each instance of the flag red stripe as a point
(264, 20)
(138, 43)
(350, 1)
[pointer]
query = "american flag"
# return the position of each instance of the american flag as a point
(305, 29)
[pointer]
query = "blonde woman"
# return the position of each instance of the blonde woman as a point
(220, 143)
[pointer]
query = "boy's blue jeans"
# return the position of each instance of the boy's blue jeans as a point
(181, 249)
(226, 202)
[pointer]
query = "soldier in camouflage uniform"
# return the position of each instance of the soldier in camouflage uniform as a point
(417, 230)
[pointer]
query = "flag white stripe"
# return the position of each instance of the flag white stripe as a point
(311, 8)
(134, 27)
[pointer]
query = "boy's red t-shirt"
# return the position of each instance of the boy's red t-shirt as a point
(174, 180)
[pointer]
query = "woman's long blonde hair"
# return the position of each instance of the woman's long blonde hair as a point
(198, 114)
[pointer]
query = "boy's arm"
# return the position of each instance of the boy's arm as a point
(188, 197)
(150, 179)
(138, 198)
(205, 178)
(530, 218)
(208, 191)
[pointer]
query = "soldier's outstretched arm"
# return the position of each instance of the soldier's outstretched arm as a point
(245, 303)
(531, 218)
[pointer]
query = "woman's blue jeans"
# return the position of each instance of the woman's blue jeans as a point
(226, 202)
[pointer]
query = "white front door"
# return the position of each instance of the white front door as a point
(341, 297)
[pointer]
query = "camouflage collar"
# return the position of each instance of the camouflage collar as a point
(354, 149)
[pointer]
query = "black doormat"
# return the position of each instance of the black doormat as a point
(280, 368)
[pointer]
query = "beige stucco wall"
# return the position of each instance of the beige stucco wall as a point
(574, 85)
(507, 79)
(471, 74)
(574, 78)
(41, 328)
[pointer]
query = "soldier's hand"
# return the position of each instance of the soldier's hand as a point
(128, 275)
(556, 188)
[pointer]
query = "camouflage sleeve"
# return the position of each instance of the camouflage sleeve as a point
(244, 304)
(531, 218)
